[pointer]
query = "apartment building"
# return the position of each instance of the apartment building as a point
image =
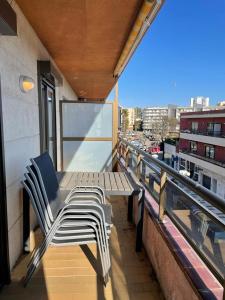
(199, 103)
(153, 115)
(202, 148)
(131, 118)
(134, 114)
(221, 104)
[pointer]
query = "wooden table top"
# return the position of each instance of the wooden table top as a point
(113, 183)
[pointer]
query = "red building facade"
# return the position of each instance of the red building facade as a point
(202, 148)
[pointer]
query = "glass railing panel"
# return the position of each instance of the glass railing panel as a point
(206, 233)
(87, 156)
(150, 175)
(133, 161)
(190, 209)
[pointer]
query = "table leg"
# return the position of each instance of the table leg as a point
(130, 208)
(139, 227)
(26, 222)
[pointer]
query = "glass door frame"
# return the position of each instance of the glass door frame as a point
(4, 243)
(43, 117)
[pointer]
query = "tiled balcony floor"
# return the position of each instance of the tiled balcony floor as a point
(66, 272)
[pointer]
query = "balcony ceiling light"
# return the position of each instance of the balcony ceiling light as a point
(26, 83)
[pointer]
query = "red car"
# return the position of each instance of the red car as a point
(154, 150)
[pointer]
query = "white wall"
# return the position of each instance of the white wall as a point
(209, 169)
(220, 181)
(19, 55)
(170, 149)
(204, 164)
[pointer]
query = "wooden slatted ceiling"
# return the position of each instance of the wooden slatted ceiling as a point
(84, 37)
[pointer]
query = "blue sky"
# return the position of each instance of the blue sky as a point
(181, 56)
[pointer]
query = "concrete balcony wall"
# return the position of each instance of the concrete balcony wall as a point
(172, 279)
(176, 268)
(18, 56)
(164, 263)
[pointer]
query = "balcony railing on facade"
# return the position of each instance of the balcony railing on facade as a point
(194, 153)
(197, 212)
(213, 133)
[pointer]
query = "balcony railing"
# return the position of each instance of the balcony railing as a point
(196, 211)
(195, 154)
(213, 133)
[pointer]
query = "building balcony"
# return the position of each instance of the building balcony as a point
(173, 242)
(213, 138)
(178, 236)
(213, 133)
(202, 161)
(194, 153)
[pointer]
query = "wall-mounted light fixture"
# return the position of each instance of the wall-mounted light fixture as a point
(26, 83)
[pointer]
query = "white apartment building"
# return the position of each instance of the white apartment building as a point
(153, 115)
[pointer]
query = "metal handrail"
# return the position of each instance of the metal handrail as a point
(167, 175)
(203, 192)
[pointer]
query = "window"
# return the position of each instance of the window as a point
(214, 129)
(182, 164)
(214, 185)
(194, 127)
(210, 152)
(193, 147)
(206, 182)
(210, 127)
(188, 166)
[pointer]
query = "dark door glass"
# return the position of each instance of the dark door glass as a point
(48, 138)
(206, 182)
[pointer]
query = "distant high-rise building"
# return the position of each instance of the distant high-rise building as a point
(199, 103)
(221, 103)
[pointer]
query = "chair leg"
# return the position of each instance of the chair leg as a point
(35, 260)
(31, 269)
(106, 279)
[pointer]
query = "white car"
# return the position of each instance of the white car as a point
(184, 173)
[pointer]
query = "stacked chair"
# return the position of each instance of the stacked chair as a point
(76, 217)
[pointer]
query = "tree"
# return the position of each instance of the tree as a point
(161, 127)
(173, 122)
(138, 125)
(125, 120)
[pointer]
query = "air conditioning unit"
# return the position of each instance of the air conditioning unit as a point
(8, 24)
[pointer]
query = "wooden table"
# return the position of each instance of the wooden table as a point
(113, 183)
